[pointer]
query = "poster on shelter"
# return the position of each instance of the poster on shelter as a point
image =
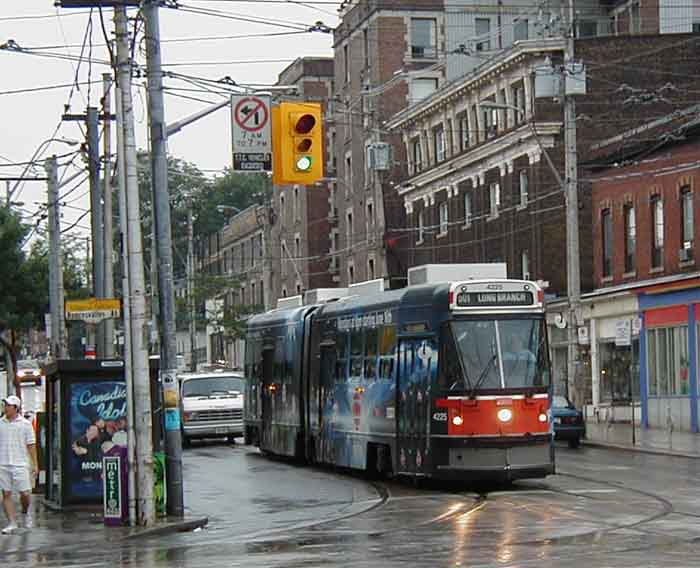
(97, 422)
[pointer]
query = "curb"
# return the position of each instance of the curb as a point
(639, 449)
(172, 527)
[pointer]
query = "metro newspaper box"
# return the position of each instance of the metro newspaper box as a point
(86, 419)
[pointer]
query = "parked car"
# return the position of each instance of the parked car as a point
(568, 422)
(212, 405)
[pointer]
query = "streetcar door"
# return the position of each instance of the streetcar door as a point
(326, 398)
(413, 403)
(268, 362)
(405, 409)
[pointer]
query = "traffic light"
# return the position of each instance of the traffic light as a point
(297, 143)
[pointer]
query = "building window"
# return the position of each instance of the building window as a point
(523, 188)
(283, 212)
(467, 209)
(297, 246)
(350, 229)
(297, 208)
(365, 41)
(587, 29)
(630, 238)
(351, 274)
(525, 262)
(370, 214)
(284, 292)
(518, 93)
(348, 174)
(463, 125)
(606, 225)
(635, 19)
(494, 199)
(668, 361)
(346, 62)
(422, 88)
(483, 34)
(370, 269)
(490, 116)
(261, 301)
(417, 153)
(423, 38)
(253, 296)
(687, 217)
(520, 30)
(421, 227)
(439, 142)
(443, 218)
(657, 241)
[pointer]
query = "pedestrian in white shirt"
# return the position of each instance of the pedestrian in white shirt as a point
(18, 463)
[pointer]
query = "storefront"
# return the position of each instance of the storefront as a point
(668, 351)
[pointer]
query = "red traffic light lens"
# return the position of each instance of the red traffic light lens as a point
(304, 145)
(305, 124)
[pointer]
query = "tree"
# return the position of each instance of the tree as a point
(23, 288)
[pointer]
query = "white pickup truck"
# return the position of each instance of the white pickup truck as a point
(212, 405)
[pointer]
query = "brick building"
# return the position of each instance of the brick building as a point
(388, 54)
(301, 231)
(480, 187)
(645, 241)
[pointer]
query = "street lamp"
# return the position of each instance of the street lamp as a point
(30, 163)
(224, 208)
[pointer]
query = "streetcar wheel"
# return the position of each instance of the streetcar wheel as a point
(574, 443)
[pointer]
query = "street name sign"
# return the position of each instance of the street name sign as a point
(252, 133)
(93, 310)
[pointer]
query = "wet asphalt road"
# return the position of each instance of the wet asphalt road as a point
(604, 508)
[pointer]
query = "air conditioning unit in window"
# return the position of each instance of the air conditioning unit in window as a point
(685, 254)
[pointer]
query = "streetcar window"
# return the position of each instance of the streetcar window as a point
(341, 358)
(370, 354)
(503, 353)
(387, 340)
(356, 354)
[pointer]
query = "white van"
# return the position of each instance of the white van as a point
(212, 405)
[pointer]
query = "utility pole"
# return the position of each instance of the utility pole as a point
(108, 347)
(166, 295)
(58, 324)
(572, 233)
(126, 294)
(98, 259)
(190, 286)
(137, 283)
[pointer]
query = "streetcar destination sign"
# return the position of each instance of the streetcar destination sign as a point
(495, 299)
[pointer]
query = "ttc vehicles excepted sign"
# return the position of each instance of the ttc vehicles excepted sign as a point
(252, 145)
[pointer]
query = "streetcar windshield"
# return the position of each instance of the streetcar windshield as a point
(498, 354)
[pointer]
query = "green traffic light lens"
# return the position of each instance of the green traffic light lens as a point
(304, 163)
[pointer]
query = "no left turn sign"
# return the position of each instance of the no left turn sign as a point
(252, 144)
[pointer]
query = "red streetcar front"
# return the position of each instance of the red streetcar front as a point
(490, 407)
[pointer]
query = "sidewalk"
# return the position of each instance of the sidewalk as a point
(62, 531)
(654, 441)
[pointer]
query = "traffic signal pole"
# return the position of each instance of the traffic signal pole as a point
(166, 293)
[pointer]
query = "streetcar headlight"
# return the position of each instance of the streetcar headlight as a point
(505, 415)
(457, 420)
(543, 417)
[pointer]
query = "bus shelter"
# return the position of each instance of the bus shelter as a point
(86, 416)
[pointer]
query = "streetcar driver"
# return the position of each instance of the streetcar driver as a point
(519, 363)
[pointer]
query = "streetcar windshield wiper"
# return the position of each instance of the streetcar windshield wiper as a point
(483, 375)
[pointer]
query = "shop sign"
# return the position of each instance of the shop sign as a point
(583, 336)
(636, 326)
(623, 333)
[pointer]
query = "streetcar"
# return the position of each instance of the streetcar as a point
(449, 380)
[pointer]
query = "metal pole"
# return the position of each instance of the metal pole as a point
(190, 287)
(58, 344)
(108, 225)
(137, 283)
(128, 363)
(96, 214)
(166, 295)
(572, 232)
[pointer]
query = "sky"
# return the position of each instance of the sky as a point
(28, 119)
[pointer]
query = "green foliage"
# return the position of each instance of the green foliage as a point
(24, 285)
